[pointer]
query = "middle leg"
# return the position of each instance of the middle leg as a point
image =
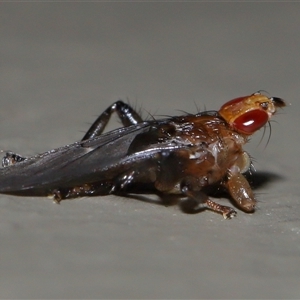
(204, 201)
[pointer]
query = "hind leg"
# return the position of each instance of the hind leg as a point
(126, 113)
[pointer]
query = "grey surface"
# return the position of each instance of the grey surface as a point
(62, 64)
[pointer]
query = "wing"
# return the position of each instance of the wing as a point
(73, 164)
(101, 158)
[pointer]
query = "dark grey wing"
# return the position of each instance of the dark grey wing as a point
(71, 165)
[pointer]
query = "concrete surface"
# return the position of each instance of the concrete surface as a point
(62, 64)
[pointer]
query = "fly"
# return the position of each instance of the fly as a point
(185, 155)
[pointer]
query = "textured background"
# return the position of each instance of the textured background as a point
(62, 64)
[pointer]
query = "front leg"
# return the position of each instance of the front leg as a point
(126, 113)
(241, 192)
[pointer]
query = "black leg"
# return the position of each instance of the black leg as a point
(126, 113)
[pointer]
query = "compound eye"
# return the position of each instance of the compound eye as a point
(251, 121)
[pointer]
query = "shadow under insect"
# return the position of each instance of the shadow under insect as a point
(144, 193)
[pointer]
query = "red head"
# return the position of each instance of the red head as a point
(250, 113)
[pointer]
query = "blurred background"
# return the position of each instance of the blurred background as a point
(62, 64)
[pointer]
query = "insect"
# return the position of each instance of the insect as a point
(184, 155)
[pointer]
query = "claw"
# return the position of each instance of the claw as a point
(56, 196)
(231, 213)
(226, 211)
